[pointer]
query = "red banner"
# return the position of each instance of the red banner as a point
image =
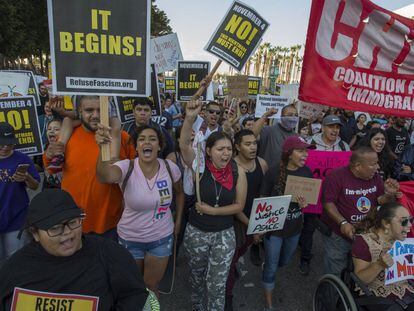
(359, 56)
(407, 200)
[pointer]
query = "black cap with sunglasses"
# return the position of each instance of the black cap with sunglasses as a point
(7, 134)
(51, 207)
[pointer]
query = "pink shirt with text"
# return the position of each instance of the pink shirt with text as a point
(147, 215)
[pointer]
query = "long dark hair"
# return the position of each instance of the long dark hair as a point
(385, 157)
(373, 221)
(281, 182)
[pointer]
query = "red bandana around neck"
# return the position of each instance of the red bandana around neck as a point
(224, 176)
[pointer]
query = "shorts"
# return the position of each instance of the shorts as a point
(112, 110)
(159, 248)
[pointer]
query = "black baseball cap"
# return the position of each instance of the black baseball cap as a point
(331, 119)
(7, 134)
(51, 207)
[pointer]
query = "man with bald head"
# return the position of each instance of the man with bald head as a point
(349, 193)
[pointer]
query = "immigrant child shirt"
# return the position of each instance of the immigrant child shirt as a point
(352, 196)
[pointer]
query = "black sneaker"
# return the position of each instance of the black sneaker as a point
(255, 255)
(304, 268)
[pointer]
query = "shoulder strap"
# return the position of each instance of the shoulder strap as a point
(130, 169)
(342, 145)
(169, 170)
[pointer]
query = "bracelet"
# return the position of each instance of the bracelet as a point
(343, 222)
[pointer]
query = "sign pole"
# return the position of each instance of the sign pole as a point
(104, 103)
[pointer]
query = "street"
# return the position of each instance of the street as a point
(293, 291)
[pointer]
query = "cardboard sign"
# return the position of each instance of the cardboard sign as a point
(267, 102)
(322, 163)
(105, 52)
(24, 300)
(254, 86)
(359, 56)
(309, 188)
(20, 112)
(238, 87)
(309, 111)
(189, 76)
(268, 214)
(403, 268)
(169, 85)
(165, 52)
(238, 35)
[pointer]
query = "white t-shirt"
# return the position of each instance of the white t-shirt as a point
(147, 215)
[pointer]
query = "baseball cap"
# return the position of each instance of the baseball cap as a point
(295, 142)
(331, 119)
(51, 207)
(7, 134)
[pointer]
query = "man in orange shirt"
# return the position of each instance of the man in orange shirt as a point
(101, 202)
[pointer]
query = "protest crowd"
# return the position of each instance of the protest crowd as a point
(126, 185)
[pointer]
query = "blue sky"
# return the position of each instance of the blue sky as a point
(195, 21)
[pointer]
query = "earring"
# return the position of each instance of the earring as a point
(386, 231)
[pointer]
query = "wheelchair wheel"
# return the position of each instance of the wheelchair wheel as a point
(332, 294)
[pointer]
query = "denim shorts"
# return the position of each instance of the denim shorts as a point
(159, 248)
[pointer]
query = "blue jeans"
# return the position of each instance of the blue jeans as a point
(278, 252)
(160, 248)
(337, 251)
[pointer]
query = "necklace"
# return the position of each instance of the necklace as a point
(248, 170)
(217, 195)
(156, 177)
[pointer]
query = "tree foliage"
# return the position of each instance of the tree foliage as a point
(24, 29)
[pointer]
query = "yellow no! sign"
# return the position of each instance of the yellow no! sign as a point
(30, 300)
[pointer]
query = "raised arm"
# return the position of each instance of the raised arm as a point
(259, 124)
(192, 110)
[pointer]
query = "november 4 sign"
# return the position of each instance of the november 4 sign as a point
(238, 35)
(359, 56)
(100, 46)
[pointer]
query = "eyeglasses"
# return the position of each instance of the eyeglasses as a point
(60, 228)
(217, 112)
(405, 221)
(243, 107)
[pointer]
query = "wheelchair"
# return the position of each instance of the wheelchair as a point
(339, 294)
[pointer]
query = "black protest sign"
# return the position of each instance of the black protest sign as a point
(169, 85)
(100, 47)
(189, 76)
(238, 35)
(125, 107)
(20, 112)
(155, 92)
(254, 86)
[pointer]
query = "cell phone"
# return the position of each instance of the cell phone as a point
(22, 168)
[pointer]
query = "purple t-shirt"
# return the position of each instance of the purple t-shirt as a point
(352, 196)
(13, 196)
(147, 215)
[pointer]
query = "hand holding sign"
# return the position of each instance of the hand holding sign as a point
(102, 135)
(386, 259)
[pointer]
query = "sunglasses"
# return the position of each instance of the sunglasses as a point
(217, 112)
(243, 107)
(404, 222)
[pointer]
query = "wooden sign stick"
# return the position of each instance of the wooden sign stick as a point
(104, 103)
(198, 172)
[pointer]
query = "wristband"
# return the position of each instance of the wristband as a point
(343, 222)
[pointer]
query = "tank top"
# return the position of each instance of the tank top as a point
(209, 189)
(254, 182)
